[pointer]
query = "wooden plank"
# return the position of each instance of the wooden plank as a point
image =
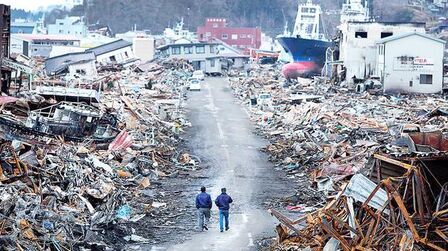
(394, 162)
(284, 220)
(441, 234)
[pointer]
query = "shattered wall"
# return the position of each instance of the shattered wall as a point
(358, 45)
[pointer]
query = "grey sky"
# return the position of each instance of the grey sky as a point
(30, 4)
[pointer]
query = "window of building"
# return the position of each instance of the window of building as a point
(112, 59)
(208, 34)
(234, 36)
(61, 23)
(200, 49)
(212, 49)
(175, 50)
(360, 34)
(305, 10)
(224, 36)
(425, 79)
(381, 49)
(386, 34)
(243, 36)
(215, 25)
(188, 50)
(60, 31)
(81, 71)
(249, 36)
(126, 54)
(212, 62)
(411, 83)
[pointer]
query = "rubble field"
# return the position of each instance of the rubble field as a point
(83, 173)
(369, 165)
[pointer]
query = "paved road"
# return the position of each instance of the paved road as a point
(223, 137)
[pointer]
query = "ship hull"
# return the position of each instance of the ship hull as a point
(306, 50)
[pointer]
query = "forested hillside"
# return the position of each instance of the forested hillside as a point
(270, 15)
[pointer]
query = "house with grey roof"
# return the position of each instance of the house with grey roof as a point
(79, 64)
(210, 57)
(199, 54)
(116, 52)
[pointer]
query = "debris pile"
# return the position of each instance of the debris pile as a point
(378, 159)
(401, 206)
(317, 127)
(70, 171)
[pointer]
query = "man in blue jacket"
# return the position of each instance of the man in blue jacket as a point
(203, 204)
(223, 203)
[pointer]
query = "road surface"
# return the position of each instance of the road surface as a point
(223, 136)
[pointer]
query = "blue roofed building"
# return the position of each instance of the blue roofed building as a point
(23, 27)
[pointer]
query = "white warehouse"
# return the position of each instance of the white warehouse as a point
(411, 63)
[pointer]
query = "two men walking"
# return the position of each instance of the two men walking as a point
(204, 204)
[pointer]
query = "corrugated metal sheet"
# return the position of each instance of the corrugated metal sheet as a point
(360, 188)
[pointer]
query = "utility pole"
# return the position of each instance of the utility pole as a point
(5, 33)
(2, 10)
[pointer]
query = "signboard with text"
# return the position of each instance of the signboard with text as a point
(406, 63)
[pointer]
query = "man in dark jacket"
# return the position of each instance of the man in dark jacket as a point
(223, 203)
(203, 204)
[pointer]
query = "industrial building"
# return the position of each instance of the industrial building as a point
(411, 62)
(40, 45)
(243, 38)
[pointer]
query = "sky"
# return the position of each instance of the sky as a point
(30, 4)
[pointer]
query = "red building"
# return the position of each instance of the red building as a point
(241, 38)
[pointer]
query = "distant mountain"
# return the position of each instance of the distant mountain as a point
(270, 15)
(25, 15)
